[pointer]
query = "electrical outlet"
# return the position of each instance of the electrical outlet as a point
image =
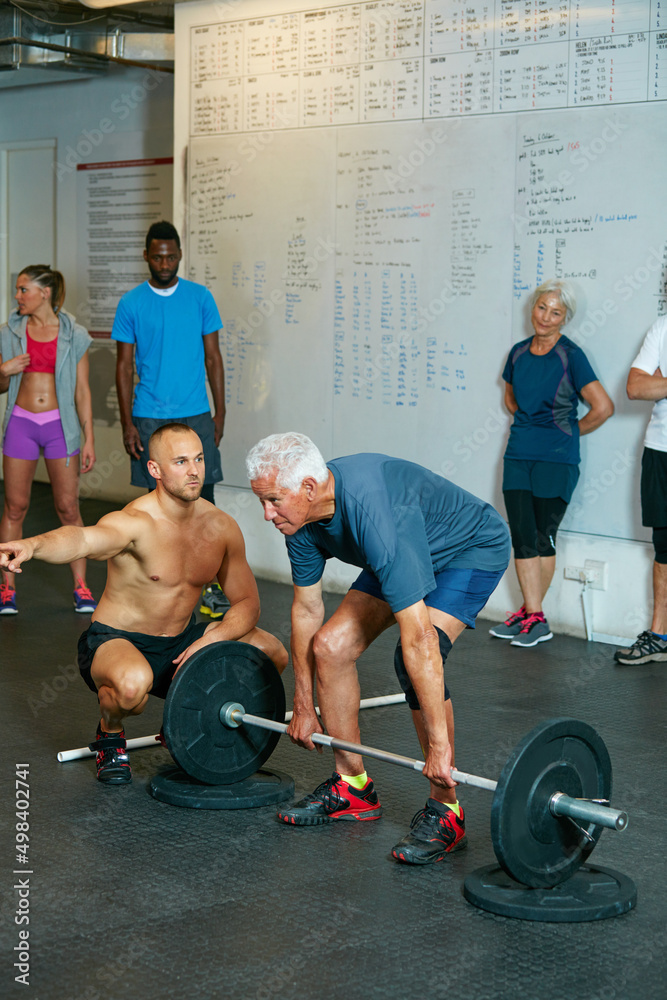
(593, 572)
(596, 574)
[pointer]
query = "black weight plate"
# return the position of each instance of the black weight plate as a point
(196, 738)
(592, 893)
(533, 846)
(263, 788)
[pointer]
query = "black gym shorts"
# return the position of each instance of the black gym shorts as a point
(654, 488)
(159, 650)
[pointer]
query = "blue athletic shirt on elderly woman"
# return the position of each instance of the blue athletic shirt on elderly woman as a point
(547, 389)
(402, 523)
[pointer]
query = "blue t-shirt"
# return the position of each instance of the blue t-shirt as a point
(546, 388)
(402, 523)
(167, 332)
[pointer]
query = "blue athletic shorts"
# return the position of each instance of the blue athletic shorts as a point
(542, 479)
(461, 593)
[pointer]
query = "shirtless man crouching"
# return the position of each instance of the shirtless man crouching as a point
(161, 549)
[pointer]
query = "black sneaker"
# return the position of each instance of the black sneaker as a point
(334, 799)
(113, 762)
(433, 834)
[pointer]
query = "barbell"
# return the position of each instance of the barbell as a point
(224, 716)
(148, 742)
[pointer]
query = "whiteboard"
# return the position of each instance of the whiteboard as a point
(273, 281)
(372, 228)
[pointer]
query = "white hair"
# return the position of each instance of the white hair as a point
(291, 456)
(564, 291)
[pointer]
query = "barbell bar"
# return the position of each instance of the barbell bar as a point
(143, 742)
(233, 714)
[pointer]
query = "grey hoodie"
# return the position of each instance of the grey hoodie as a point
(73, 342)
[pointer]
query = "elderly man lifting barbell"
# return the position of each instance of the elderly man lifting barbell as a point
(431, 554)
(160, 550)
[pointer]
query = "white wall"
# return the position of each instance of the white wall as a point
(136, 107)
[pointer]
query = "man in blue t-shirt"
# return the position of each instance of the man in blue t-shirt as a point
(431, 554)
(168, 328)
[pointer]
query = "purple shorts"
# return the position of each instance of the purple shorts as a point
(27, 433)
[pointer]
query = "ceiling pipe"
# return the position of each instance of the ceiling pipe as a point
(101, 4)
(32, 43)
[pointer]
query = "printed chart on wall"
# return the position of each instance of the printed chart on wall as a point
(118, 201)
(375, 189)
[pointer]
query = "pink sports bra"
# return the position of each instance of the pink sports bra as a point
(42, 355)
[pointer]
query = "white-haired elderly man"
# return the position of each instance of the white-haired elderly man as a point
(430, 554)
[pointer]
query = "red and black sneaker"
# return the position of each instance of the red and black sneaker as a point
(113, 762)
(332, 800)
(435, 831)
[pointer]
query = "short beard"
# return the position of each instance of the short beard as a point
(159, 280)
(183, 493)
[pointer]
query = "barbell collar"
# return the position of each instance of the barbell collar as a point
(561, 804)
(232, 715)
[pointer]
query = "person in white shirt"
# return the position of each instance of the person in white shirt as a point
(648, 381)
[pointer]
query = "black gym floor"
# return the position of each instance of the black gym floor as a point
(136, 899)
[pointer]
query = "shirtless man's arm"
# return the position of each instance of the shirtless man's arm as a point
(112, 534)
(238, 583)
(240, 621)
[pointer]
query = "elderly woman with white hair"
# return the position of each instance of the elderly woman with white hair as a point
(545, 377)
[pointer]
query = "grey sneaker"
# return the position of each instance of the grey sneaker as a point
(213, 601)
(647, 646)
(511, 626)
(532, 631)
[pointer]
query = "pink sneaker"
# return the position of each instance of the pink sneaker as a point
(7, 600)
(84, 602)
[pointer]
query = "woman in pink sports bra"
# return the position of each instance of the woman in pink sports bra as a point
(44, 371)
